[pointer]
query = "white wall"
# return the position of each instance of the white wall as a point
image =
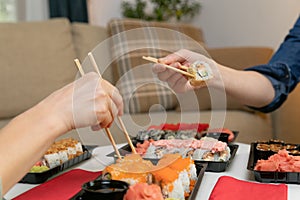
(32, 10)
(247, 22)
(101, 11)
(37, 10)
(228, 22)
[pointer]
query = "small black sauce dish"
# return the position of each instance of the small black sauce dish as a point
(105, 189)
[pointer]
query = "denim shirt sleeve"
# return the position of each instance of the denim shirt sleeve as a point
(283, 70)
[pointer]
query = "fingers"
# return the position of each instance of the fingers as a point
(179, 56)
(172, 80)
(176, 60)
(115, 95)
(108, 104)
(174, 57)
(95, 102)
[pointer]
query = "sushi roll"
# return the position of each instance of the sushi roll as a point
(52, 159)
(186, 134)
(143, 135)
(178, 174)
(63, 156)
(170, 135)
(175, 175)
(172, 186)
(185, 168)
(131, 169)
(73, 147)
(201, 71)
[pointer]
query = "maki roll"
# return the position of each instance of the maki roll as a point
(131, 169)
(186, 134)
(143, 135)
(62, 151)
(52, 159)
(201, 71)
(175, 175)
(170, 135)
(185, 168)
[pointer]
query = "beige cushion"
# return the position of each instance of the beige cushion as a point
(132, 39)
(287, 117)
(88, 38)
(36, 59)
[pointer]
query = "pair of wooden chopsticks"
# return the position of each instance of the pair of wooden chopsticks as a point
(92, 60)
(155, 60)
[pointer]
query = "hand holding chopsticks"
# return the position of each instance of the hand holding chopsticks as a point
(92, 59)
(155, 60)
(106, 129)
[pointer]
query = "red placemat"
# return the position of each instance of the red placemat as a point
(61, 187)
(229, 188)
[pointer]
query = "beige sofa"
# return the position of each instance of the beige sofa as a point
(37, 58)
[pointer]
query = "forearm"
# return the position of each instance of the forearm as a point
(29, 135)
(248, 87)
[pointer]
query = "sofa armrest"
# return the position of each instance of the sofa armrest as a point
(286, 119)
(241, 57)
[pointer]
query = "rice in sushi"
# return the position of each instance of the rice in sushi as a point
(175, 175)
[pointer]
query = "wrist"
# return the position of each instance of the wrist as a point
(48, 119)
(220, 76)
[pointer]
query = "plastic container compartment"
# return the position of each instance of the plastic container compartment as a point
(82, 195)
(219, 166)
(269, 176)
(40, 177)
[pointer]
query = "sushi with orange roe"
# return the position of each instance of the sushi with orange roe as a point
(132, 169)
(185, 168)
(187, 173)
(172, 186)
(175, 175)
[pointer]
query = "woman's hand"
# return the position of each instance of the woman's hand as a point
(177, 81)
(89, 101)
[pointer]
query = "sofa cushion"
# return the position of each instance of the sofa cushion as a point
(132, 39)
(88, 38)
(36, 59)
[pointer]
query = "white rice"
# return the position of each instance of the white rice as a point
(53, 160)
(63, 156)
(178, 190)
(184, 177)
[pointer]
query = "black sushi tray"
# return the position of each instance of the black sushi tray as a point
(269, 176)
(212, 166)
(220, 166)
(40, 177)
(82, 195)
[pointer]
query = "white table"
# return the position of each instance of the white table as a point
(237, 169)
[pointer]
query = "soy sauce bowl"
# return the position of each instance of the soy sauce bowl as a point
(105, 189)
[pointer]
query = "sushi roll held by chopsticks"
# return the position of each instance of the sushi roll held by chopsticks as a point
(201, 71)
(197, 73)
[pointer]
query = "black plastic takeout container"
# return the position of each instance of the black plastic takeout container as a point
(269, 176)
(212, 166)
(89, 189)
(40, 177)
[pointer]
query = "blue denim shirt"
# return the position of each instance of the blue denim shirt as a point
(283, 70)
